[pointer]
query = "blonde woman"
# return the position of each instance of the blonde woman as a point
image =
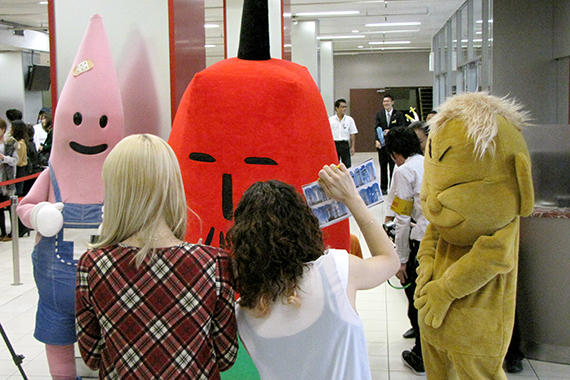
(149, 305)
(297, 313)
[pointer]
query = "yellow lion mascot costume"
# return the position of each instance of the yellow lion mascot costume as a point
(476, 185)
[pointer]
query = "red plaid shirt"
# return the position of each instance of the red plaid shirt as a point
(172, 318)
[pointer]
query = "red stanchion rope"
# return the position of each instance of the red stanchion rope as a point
(11, 181)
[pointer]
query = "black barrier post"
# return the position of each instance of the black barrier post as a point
(17, 358)
(15, 241)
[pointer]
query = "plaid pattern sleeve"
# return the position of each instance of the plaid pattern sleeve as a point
(172, 317)
(88, 329)
(224, 326)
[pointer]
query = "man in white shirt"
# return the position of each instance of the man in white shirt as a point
(344, 132)
(403, 205)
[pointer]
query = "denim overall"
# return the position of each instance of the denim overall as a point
(55, 272)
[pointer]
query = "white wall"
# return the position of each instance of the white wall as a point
(139, 38)
(380, 70)
(12, 88)
(14, 68)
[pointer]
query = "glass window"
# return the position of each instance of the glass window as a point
(477, 24)
(464, 35)
(442, 50)
(453, 31)
(462, 51)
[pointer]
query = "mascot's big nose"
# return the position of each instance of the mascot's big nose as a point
(227, 197)
(434, 205)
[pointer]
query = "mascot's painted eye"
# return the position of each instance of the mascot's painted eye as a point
(447, 150)
(430, 156)
(201, 157)
(260, 161)
(103, 120)
(77, 118)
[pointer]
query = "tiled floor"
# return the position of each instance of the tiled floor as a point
(383, 311)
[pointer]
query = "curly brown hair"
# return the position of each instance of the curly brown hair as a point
(274, 237)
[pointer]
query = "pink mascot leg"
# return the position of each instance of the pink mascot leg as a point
(61, 361)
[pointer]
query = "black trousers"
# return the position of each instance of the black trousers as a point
(514, 351)
(411, 267)
(386, 163)
(343, 152)
(3, 231)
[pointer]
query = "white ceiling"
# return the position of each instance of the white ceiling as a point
(25, 12)
(432, 14)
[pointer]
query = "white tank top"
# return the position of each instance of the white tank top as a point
(321, 340)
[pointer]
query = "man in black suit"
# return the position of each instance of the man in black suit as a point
(386, 119)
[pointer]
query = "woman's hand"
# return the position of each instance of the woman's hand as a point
(337, 183)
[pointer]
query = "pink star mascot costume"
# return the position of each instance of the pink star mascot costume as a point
(64, 205)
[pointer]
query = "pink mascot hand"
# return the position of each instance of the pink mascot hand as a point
(433, 303)
(46, 218)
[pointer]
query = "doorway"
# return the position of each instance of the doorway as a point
(366, 102)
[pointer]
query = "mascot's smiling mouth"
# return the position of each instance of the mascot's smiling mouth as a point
(88, 149)
(441, 215)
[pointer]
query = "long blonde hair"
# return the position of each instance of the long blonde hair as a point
(143, 186)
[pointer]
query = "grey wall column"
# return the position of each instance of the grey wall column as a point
(327, 75)
(304, 50)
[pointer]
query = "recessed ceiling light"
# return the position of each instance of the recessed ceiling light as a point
(394, 24)
(474, 40)
(211, 26)
(392, 31)
(394, 48)
(330, 13)
(389, 42)
(209, 46)
(360, 47)
(339, 37)
(43, 2)
(355, 31)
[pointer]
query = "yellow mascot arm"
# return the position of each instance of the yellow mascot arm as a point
(426, 257)
(489, 256)
(524, 180)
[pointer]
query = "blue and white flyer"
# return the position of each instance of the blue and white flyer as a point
(330, 211)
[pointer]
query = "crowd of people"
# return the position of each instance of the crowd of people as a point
(150, 305)
(292, 289)
(24, 150)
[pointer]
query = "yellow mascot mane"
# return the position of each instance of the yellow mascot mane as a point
(478, 111)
